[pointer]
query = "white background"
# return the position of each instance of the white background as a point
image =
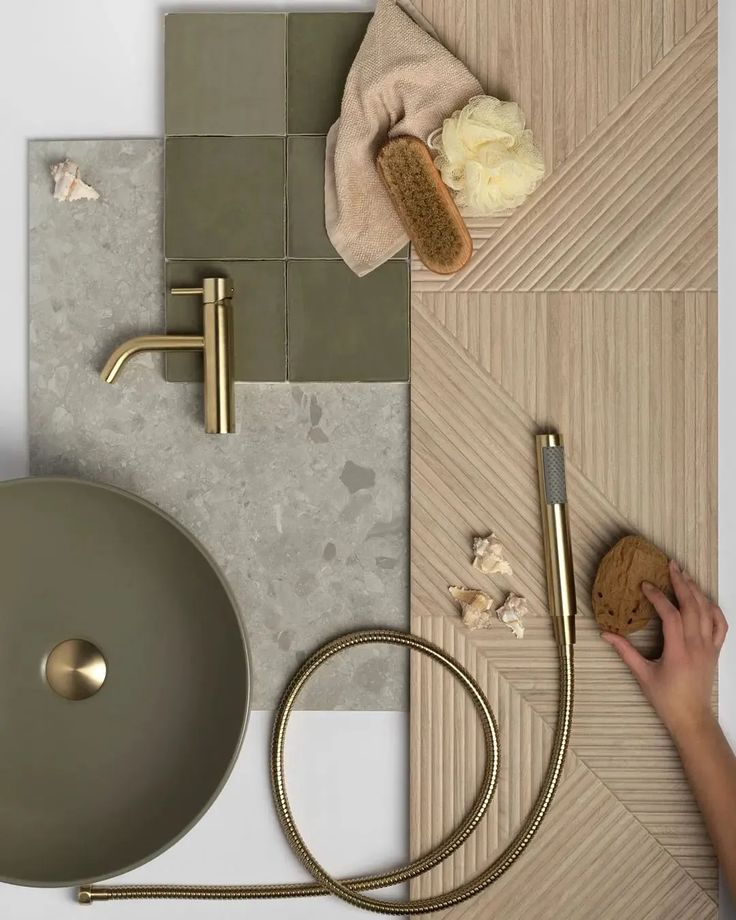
(93, 68)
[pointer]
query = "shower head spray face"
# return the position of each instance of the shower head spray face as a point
(555, 485)
(556, 535)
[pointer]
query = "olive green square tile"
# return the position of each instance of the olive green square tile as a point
(345, 328)
(305, 171)
(225, 73)
(225, 198)
(321, 49)
(259, 318)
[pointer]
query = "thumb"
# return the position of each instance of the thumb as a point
(636, 663)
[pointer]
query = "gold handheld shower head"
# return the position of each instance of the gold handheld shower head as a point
(561, 584)
(556, 535)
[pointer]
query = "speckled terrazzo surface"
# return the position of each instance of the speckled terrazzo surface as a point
(305, 509)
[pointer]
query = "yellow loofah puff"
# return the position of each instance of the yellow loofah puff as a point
(487, 156)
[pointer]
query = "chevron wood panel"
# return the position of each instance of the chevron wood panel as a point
(649, 350)
(630, 380)
(592, 310)
(621, 95)
(591, 857)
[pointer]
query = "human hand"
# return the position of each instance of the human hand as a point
(679, 683)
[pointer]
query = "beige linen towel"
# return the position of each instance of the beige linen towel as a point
(403, 81)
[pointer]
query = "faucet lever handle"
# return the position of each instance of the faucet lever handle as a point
(213, 290)
(184, 291)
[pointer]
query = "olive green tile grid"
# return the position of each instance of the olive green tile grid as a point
(320, 50)
(249, 99)
(240, 74)
(259, 348)
(305, 174)
(211, 183)
(341, 327)
(225, 74)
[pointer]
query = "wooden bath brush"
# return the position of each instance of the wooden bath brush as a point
(424, 204)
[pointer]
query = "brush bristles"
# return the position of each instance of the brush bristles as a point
(424, 204)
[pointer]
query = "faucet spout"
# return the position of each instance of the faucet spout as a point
(215, 343)
(126, 350)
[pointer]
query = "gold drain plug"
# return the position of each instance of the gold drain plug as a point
(76, 669)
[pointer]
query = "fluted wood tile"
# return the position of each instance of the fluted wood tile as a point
(591, 857)
(621, 95)
(615, 372)
(630, 380)
(591, 310)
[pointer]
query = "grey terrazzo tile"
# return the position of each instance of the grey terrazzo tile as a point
(305, 509)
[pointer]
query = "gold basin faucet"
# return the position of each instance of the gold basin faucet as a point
(215, 344)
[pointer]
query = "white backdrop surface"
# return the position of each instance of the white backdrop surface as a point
(93, 68)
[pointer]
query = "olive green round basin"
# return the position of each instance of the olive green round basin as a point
(124, 681)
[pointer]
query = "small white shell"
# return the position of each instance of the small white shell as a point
(476, 607)
(490, 557)
(67, 184)
(512, 612)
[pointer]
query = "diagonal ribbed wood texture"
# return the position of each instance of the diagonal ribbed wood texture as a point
(632, 386)
(621, 96)
(592, 311)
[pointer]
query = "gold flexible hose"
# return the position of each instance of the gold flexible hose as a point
(350, 889)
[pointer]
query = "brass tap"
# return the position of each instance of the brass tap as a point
(215, 344)
(556, 536)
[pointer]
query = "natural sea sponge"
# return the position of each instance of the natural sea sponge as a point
(618, 603)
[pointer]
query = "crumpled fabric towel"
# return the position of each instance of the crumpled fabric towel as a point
(403, 81)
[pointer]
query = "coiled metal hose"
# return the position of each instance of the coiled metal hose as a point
(351, 889)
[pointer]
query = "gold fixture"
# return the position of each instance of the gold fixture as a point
(351, 889)
(556, 536)
(561, 586)
(215, 344)
(75, 669)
